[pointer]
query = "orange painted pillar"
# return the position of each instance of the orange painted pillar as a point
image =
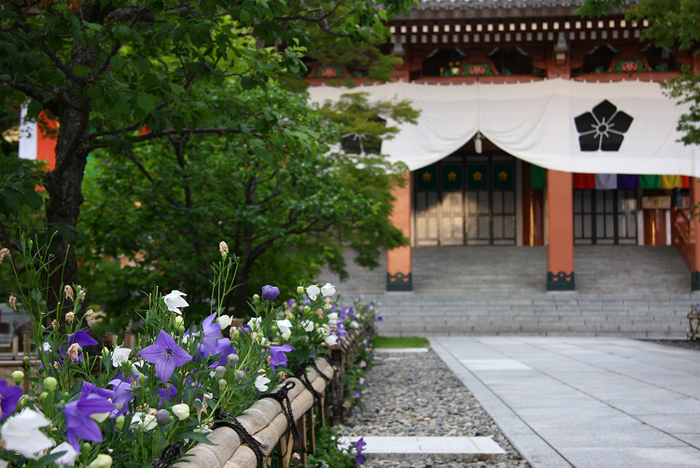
(398, 261)
(560, 213)
(695, 232)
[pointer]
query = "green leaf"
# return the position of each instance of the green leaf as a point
(146, 102)
(176, 88)
(201, 438)
(247, 83)
(34, 108)
(94, 92)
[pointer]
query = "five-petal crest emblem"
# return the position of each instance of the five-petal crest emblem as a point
(603, 128)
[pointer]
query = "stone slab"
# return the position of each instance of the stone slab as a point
(429, 445)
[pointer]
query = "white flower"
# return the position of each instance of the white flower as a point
(47, 346)
(224, 321)
(254, 323)
(67, 458)
(21, 433)
(261, 383)
(144, 421)
(101, 461)
(174, 301)
(313, 291)
(285, 326)
(181, 411)
(286, 336)
(120, 355)
(332, 318)
(327, 290)
(3, 464)
(354, 324)
(308, 325)
(331, 340)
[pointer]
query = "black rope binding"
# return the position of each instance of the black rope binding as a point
(170, 454)
(281, 396)
(226, 420)
(300, 374)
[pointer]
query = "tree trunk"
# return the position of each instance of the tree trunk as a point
(64, 183)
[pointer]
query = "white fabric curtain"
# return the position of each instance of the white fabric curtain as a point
(611, 128)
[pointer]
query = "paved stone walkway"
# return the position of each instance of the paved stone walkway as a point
(585, 402)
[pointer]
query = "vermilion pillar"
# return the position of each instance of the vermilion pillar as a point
(560, 250)
(398, 261)
(695, 232)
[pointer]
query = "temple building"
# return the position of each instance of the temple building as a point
(537, 127)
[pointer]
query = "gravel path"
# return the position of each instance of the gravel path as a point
(415, 394)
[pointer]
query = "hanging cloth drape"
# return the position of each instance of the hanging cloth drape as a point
(599, 128)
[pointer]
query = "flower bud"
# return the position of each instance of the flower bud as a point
(43, 396)
(256, 298)
(25, 360)
(307, 309)
(85, 446)
(222, 384)
(17, 376)
(142, 379)
(102, 461)
(162, 417)
(300, 289)
(232, 360)
(50, 384)
(13, 302)
(179, 321)
(181, 411)
(119, 422)
(220, 372)
(240, 375)
(223, 248)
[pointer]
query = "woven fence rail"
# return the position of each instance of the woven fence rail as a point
(267, 421)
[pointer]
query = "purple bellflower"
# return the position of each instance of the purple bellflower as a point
(77, 414)
(123, 394)
(166, 355)
(82, 338)
(269, 293)
(278, 356)
(359, 446)
(167, 394)
(224, 348)
(9, 396)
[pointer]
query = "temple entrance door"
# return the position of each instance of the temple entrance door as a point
(491, 200)
(605, 217)
(466, 199)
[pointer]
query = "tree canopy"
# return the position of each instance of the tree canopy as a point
(118, 73)
(672, 23)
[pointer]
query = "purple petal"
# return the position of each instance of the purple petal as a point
(82, 338)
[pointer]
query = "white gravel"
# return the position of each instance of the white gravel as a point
(415, 394)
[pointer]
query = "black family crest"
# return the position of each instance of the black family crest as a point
(602, 129)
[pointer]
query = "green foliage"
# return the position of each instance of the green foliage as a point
(109, 70)
(328, 452)
(400, 342)
(279, 199)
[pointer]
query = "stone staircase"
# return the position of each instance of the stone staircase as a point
(641, 291)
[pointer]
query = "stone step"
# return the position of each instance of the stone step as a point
(627, 290)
